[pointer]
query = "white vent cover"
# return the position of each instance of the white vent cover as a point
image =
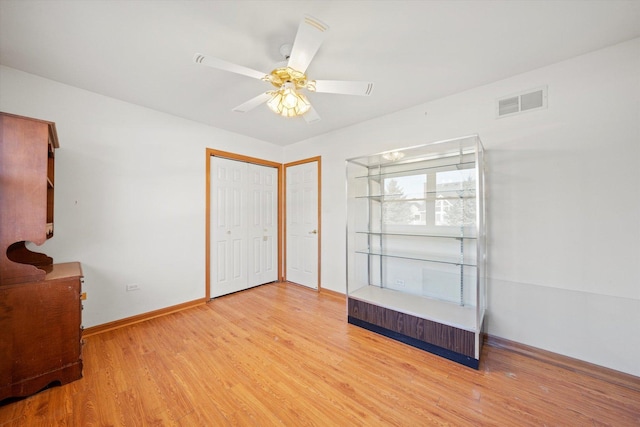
(533, 99)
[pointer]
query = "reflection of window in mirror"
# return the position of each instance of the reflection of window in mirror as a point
(436, 198)
(405, 200)
(455, 204)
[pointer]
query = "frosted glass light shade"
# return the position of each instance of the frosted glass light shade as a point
(288, 102)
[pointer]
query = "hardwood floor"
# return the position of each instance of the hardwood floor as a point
(281, 354)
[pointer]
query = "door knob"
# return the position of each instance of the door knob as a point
(313, 232)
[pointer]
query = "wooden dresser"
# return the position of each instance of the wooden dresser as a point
(40, 302)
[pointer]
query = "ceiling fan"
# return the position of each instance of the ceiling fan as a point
(290, 79)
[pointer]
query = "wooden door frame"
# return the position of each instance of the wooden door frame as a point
(210, 152)
(284, 196)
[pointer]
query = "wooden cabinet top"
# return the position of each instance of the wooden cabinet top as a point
(53, 133)
(64, 271)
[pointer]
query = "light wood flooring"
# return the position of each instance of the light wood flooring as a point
(281, 354)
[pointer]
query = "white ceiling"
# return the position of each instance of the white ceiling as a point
(415, 51)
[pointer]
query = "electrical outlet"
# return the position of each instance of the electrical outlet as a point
(400, 283)
(133, 287)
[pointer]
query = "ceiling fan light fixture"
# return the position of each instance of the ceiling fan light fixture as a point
(289, 78)
(288, 102)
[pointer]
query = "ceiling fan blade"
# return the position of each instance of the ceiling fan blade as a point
(253, 103)
(311, 116)
(220, 64)
(343, 87)
(311, 34)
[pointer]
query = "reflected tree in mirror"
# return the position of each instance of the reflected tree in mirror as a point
(404, 200)
(455, 201)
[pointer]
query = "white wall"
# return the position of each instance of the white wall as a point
(563, 201)
(130, 194)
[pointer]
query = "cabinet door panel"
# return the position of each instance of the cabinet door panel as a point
(40, 323)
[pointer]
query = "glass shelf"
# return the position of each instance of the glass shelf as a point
(441, 153)
(440, 195)
(440, 259)
(457, 166)
(433, 235)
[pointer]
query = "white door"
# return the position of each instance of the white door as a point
(242, 204)
(302, 224)
(262, 211)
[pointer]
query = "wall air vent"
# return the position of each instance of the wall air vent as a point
(534, 99)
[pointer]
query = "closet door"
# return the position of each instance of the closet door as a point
(228, 232)
(262, 224)
(243, 225)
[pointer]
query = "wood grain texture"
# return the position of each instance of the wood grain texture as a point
(127, 321)
(24, 144)
(444, 336)
(40, 332)
(281, 354)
